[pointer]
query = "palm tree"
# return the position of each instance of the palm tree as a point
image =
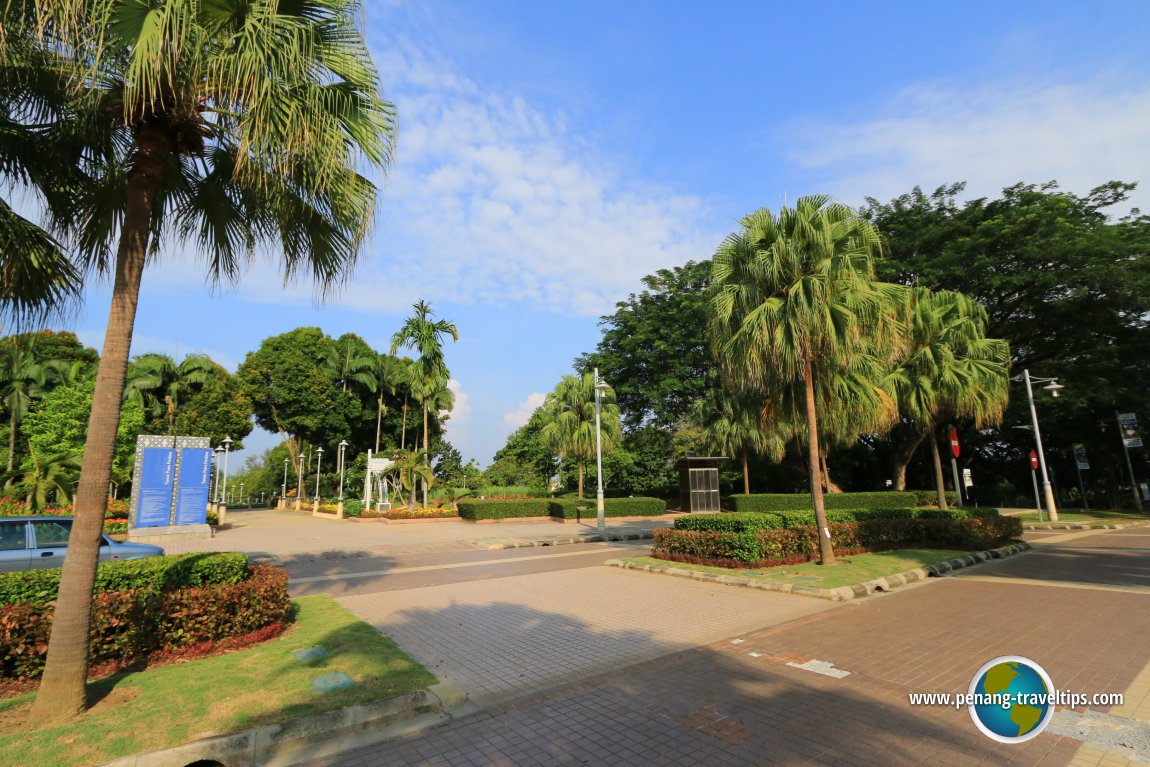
(390, 374)
(569, 420)
(792, 292)
(43, 474)
(413, 470)
(22, 379)
(235, 125)
(426, 336)
(950, 369)
(732, 424)
(160, 385)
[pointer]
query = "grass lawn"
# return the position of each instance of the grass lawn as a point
(1087, 517)
(848, 571)
(169, 705)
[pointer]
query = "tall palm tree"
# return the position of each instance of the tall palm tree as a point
(569, 420)
(791, 292)
(42, 474)
(426, 335)
(950, 369)
(235, 124)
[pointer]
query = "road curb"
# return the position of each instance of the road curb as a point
(309, 737)
(842, 593)
(1081, 526)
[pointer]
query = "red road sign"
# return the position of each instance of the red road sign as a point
(1033, 460)
(954, 442)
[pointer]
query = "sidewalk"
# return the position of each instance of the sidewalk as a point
(273, 534)
(1079, 605)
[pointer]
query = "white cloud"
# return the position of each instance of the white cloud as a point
(522, 413)
(457, 427)
(991, 136)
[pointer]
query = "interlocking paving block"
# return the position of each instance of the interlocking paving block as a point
(311, 653)
(331, 682)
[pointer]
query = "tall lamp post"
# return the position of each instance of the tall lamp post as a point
(227, 447)
(318, 460)
(219, 473)
(1053, 387)
(341, 458)
(241, 491)
(283, 490)
(600, 387)
(299, 488)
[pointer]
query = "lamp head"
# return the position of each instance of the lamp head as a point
(1054, 387)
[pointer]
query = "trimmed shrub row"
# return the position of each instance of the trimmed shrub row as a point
(509, 509)
(767, 548)
(802, 501)
(127, 626)
(568, 508)
(146, 576)
(739, 522)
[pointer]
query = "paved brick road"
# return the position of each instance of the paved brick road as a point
(1076, 605)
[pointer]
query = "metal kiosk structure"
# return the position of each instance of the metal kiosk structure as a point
(699, 482)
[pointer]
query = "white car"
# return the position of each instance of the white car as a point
(32, 543)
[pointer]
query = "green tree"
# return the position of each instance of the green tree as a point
(235, 124)
(791, 290)
(733, 425)
(22, 379)
(1063, 279)
(569, 421)
(654, 348)
(524, 459)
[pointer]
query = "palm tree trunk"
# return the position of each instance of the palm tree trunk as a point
(426, 456)
(826, 550)
(12, 441)
(580, 479)
(378, 421)
(746, 473)
(62, 689)
(939, 482)
(403, 433)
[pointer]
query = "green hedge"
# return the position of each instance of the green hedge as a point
(802, 501)
(930, 498)
(741, 522)
(127, 626)
(474, 509)
(568, 508)
(764, 548)
(146, 576)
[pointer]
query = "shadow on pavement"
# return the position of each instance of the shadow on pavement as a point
(1110, 567)
(701, 706)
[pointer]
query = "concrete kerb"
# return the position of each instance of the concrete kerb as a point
(311, 737)
(1083, 526)
(842, 593)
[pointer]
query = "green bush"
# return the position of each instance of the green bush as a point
(127, 626)
(930, 498)
(770, 502)
(475, 510)
(769, 547)
(507, 492)
(731, 522)
(144, 576)
(569, 508)
(352, 507)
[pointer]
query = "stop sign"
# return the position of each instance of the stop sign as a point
(954, 442)
(1033, 460)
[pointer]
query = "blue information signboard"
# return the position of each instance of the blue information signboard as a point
(154, 487)
(192, 493)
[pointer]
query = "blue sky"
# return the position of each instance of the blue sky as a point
(552, 154)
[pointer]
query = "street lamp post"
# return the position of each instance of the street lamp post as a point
(283, 490)
(219, 473)
(600, 387)
(318, 460)
(341, 459)
(1053, 387)
(241, 491)
(299, 488)
(223, 511)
